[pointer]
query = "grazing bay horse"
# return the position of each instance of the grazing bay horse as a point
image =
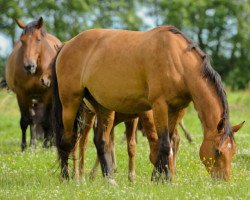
(132, 72)
(31, 55)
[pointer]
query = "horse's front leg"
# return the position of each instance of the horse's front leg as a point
(131, 128)
(102, 140)
(25, 120)
(160, 110)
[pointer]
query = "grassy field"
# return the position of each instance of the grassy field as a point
(35, 173)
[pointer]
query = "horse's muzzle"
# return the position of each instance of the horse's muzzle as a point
(220, 175)
(30, 69)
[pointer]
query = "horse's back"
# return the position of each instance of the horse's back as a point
(121, 65)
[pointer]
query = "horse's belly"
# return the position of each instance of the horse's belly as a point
(123, 101)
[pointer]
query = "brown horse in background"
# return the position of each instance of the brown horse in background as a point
(132, 72)
(32, 55)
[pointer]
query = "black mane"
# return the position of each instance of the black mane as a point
(210, 74)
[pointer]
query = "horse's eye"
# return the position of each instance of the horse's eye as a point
(218, 153)
(38, 39)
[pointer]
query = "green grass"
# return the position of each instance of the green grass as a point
(35, 174)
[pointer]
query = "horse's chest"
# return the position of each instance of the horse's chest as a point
(30, 86)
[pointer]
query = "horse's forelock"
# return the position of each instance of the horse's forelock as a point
(30, 27)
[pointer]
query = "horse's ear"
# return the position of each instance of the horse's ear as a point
(221, 124)
(39, 23)
(237, 127)
(20, 23)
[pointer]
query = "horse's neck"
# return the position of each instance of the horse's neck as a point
(208, 105)
(47, 54)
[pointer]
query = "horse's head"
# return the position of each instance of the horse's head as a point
(31, 39)
(216, 153)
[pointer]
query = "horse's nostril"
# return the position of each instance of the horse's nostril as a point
(29, 67)
(42, 81)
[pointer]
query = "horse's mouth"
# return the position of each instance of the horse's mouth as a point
(33, 70)
(30, 69)
(220, 175)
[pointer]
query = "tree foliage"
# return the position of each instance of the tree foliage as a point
(220, 27)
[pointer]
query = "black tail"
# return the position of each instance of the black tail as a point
(56, 109)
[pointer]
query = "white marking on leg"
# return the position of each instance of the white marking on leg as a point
(171, 151)
(229, 145)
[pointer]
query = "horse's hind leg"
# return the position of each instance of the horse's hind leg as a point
(175, 140)
(113, 158)
(25, 118)
(112, 137)
(88, 122)
(102, 140)
(70, 108)
(75, 154)
(93, 171)
(131, 128)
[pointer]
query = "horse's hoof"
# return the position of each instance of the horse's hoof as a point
(64, 175)
(115, 170)
(132, 177)
(75, 176)
(92, 175)
(112, 182)
(46, 144)
(23, 147)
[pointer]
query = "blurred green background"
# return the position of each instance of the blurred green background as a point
(220, 27)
